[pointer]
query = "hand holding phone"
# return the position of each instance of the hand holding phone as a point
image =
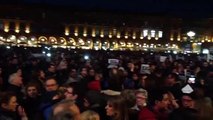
(191, 80)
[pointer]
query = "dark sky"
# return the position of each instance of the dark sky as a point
(178, 7)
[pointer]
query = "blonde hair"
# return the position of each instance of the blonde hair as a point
(143, 91)
(89, 115)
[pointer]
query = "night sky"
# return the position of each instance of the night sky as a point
(196, 8)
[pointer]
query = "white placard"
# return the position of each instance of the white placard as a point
(113, 61)
(162, 58)
(145, 69)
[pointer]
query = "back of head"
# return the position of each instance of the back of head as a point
(12, 78)
(93, 97)
(89, 115)
(118, 103)
(63, 115)
(67, 105)
(129, 96)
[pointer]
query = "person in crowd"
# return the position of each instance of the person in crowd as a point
(91, 74)
(63, 115)
(31, 101)
(142, 81)
(66, 92)
(89, 115)
(203, 104)
(83, 73)
(116, 108)
(188, 100)
(173, 102)
(187, 108)
(8, 107)
(94, 101)
(62, 65)
(131, 83)
(130, 68)
(160, 103)
(62, 70)
(173, 84)
(51, 84)
(16, 85)
(51, 70)
(160, 77)
(115, 80)
(95, 84)
(69, 106)
(49, 98)
(39, 78)
(130, 100)
(82, 85)
(73, 76)
(185, 114)
(142, 105)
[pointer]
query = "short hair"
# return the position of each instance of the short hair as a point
(157, 96)
(6, 96)
(63, 115)
(93, 97)
(129, 96)
(12, 77)
(89, 115)
(51, 78)
(66, 105)
(31, 84)
(143, 91)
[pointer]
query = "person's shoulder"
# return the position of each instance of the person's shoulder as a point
(3, 117)
(147, 112)
(145, 109)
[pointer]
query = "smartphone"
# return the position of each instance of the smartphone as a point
(191, 80)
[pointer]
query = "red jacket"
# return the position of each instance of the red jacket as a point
(146, 114)
(94, 85)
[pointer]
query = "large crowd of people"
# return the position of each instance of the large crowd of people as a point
(104, 85)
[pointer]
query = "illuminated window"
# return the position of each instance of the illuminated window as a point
(102, 33)
(76, 31)
(134, 35)
(6, 26)
(17, 27)
(152, 33)
(93, 32)
(67, 30)
(145, 33)
(160, 34)
(118, 35)
(27, 28)
(85, 32)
